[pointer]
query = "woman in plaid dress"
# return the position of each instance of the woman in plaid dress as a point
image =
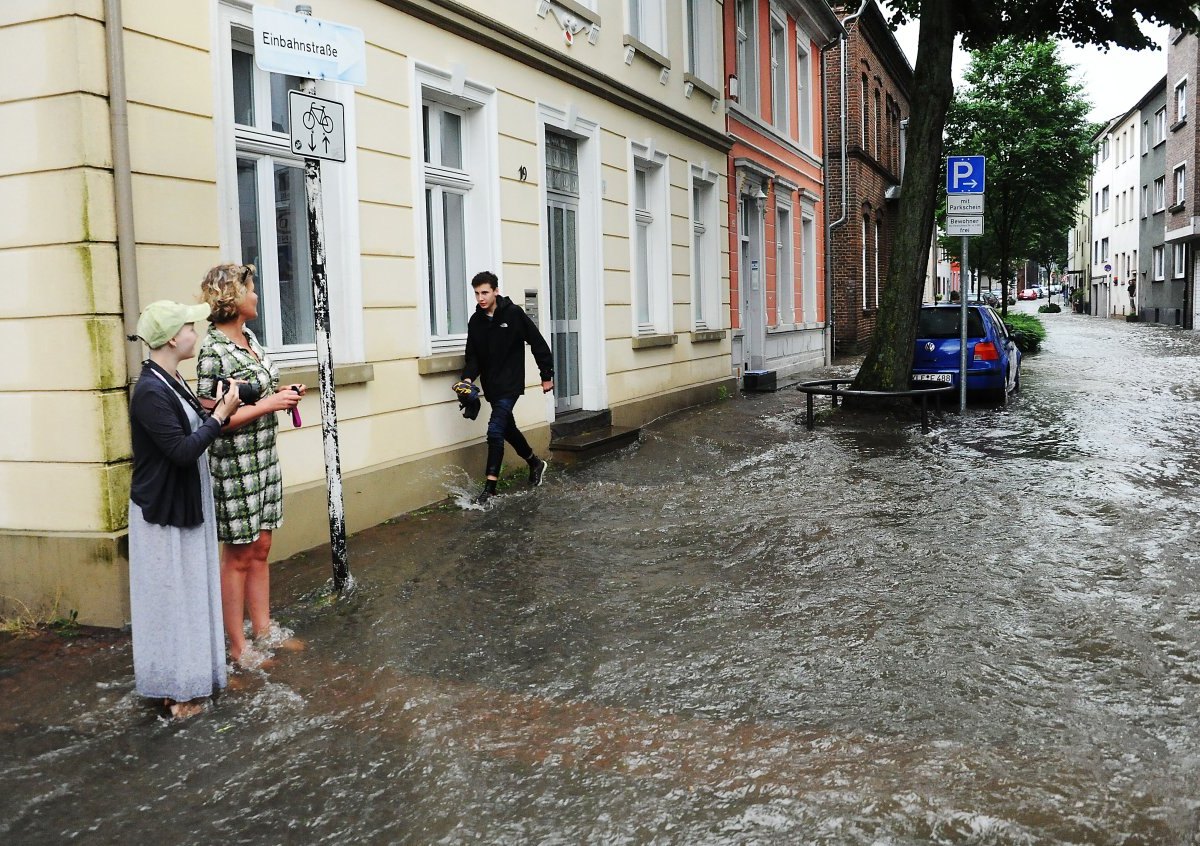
(245, 464)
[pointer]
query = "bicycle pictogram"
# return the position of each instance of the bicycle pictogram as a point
(316, 115)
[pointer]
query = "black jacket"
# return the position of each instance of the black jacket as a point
(496, 349)
(166, 476)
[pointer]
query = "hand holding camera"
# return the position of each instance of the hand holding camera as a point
(228, 401)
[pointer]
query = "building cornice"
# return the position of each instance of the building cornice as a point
(472, 25)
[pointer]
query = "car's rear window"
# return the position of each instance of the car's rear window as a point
(944, 323)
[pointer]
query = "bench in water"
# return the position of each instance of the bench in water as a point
(829, 388)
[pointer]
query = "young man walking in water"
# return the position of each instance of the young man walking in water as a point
(496, 336)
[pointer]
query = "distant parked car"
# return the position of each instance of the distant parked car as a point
(1027, 294)
(993, 360)
(1056, 289)
(991, 298)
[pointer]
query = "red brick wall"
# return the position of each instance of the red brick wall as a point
(871, 171)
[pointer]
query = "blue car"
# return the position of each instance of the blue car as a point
(993, 360)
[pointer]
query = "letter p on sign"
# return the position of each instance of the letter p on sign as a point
(965, 175)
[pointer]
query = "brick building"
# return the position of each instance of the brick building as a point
(878, 88)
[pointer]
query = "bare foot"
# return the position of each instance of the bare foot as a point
(250, 658)
(292, 644)
(185, 710)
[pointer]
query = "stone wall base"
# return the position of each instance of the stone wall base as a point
(51, 575)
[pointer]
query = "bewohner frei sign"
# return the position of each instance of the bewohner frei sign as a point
(308, 47)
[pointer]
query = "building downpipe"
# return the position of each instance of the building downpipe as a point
(118, 117)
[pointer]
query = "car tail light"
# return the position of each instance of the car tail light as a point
(986, 351)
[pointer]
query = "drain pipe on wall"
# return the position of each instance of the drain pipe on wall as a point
(841, 221)
(118, 118)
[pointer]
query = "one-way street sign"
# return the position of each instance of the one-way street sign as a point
(965, 175)
(318, 127)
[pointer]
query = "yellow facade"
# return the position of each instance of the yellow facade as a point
(64, 467)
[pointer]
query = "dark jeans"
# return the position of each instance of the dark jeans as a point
(502, 426)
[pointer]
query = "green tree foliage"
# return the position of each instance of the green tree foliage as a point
(1021, 111)
(980, 23)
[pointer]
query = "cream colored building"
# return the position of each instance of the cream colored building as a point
(488, 135)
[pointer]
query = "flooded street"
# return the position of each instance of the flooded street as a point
(734, 632)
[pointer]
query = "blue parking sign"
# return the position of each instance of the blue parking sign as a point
(965, 174)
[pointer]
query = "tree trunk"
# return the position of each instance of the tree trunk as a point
(888, 363)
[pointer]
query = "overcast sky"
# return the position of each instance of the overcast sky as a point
(1113, 81)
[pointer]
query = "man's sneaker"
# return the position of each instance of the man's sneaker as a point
(537, 471)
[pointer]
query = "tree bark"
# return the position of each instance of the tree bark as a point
(888, 363)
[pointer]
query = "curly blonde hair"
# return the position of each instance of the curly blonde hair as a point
(224, 288)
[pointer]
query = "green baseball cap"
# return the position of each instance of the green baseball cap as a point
(162, 320)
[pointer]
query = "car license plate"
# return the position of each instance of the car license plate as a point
(933, 377)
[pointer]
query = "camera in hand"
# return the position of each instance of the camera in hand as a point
(248, 393)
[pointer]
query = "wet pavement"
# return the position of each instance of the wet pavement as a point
(736, 631)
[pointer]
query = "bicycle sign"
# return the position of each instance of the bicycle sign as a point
(317, 127)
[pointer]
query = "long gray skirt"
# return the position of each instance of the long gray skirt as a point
(175, 602)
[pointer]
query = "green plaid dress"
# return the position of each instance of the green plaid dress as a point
(247, 484)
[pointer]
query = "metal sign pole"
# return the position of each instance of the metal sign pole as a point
(962, 304)
(329, 434)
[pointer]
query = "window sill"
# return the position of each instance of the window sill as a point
(1179, 124)
(641, 49)
(1158, 211)
(1159, 279)
(1178, 207)
(431, 365)
(700, 85)
(704, 336)
(343, 375)
(645, 342)
(1159, 143)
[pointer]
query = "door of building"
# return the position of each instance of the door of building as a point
(750, 280)
(562, 214)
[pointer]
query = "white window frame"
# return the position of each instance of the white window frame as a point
(804, 91)
(647, 22)
(1179, 173)
(777, 48)
(655, 222)
(1105, 198)
(746, 55)
(1104, 149)
(1145, 136)
(1160, 194)
(1181, 100)
(1160, 126)
(1178, 260)
(785, 263)
(705, 248)
(1103, 249)
(339, 207)
(864, 264)
(1145, 202)
(477, 103)
(876, 260)
(701, 26)
(1160, 263)
(808, 263)
(865, 87)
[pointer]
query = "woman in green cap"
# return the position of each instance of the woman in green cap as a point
(174, 564)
